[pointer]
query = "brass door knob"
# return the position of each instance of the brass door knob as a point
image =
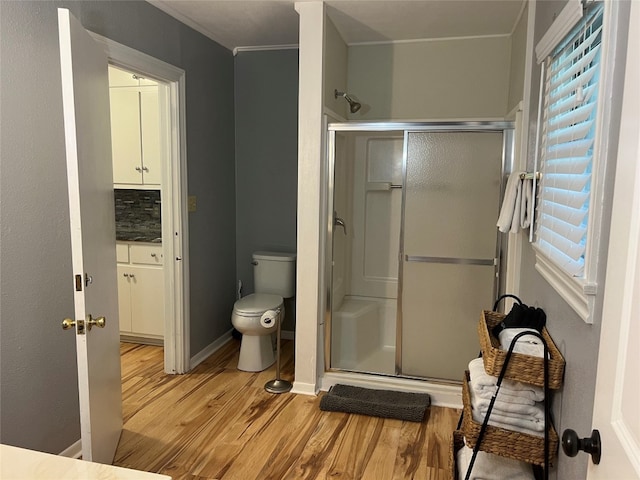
(67, 323)
(99, 322)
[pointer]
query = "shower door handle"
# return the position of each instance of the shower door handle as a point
(338, 222)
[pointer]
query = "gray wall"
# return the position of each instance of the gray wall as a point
(266, 109)
(38, 380)
(578, 341)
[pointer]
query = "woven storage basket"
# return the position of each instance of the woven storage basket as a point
(522, 368)
(508, 443)
(457, 442)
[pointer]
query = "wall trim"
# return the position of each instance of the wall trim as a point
(258, 48)
(210, 349)
(304, 388)
(72, 451)
(441, 395)
(425, 40)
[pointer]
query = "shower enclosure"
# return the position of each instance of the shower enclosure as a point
(413, 252)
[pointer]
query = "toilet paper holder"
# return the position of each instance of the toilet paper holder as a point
(278, 385)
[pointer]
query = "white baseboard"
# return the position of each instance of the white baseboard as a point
(73, 451)
(304, 388)
(210, 349)
(441, 395)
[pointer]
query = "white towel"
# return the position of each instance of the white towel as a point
(508, 209)
(488, 466)
(507, 409)
(485, 384)
(515, 221)
(521, 423)
(526, 203)
(527, 344)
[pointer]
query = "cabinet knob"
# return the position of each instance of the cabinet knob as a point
(139, 169)
(145, 169)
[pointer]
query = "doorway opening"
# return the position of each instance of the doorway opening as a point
(162, 260)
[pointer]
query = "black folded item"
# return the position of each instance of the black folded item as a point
(522, 316)
(378, 403)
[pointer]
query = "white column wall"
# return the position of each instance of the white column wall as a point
(311, 200)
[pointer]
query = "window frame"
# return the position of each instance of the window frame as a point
(580, 293)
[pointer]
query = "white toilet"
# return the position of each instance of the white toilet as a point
(274, 276)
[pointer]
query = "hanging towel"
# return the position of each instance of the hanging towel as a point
(488, 466)
(526, 204)
(515, 221)
(508, 210)
(485, 385)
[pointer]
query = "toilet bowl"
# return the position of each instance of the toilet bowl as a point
(274, 278)
(256, 349)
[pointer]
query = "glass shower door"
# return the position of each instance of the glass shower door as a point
(452, 189)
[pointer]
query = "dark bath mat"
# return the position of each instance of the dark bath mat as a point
(377, 403)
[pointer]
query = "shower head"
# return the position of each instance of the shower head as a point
(353, 105)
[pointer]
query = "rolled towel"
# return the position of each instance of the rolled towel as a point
(527, 344)
(488, 466)
(485, 385)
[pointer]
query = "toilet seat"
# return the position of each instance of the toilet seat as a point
(256, 304)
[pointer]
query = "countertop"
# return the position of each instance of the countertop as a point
(22, 464)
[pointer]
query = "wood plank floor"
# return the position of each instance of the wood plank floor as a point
(218, 423)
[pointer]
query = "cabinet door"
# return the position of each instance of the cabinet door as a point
(150, 128)
(125, 136)
(147, 307)
(124, 298)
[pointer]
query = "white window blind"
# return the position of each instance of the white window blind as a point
(567, 144)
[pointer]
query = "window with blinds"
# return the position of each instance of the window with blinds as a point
(567, 145)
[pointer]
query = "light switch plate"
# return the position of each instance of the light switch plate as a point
(192, 203)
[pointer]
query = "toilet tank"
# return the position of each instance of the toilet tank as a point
(274, 273)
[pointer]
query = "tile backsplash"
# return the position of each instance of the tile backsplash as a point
(138, 215)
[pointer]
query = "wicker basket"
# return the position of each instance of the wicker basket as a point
(457, 442)
(508, 443)
(522, 368)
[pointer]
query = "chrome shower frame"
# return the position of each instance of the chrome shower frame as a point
(506, 127)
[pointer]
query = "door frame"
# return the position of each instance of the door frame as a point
(175, 227)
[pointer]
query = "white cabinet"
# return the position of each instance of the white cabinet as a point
(141, 291)
(135, 129)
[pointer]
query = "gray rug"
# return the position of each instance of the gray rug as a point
(377, 403)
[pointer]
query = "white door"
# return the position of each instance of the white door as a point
(616, 414)
(85, 99)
